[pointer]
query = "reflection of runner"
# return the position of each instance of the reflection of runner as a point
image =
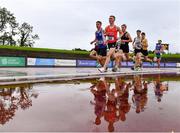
(139, 97)
(159, 88)
(110, 114)
(99, 92)
(122, 89)
(100, 50)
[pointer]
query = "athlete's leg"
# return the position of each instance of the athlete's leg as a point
(118, 58)
(147, 59)
(138, 60)
(93, 55)
(158, 62)
(102, 60)
(108, 57)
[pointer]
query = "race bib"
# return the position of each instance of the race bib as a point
(100, 42)
(110, 38)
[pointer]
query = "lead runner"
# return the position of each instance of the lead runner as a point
(111, 32)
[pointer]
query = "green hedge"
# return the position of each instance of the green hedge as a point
(43, 50)
(175, 56)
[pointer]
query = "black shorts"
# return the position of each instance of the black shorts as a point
(102, 51)
(124, 48)
(137, 51)
(96, 48)
(112, 45)
(145, 52)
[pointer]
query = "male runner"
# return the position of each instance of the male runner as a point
(137, 50)
(123, 49)
(100, 51)
(158, 51)
(144, 42)
(125, 40)
(111, 32)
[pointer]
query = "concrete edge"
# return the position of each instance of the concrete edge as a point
(62, 77)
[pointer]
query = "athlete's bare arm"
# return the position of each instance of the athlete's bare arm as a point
(129, 36)
(93, 40)
(133, 43)
(119, 31)
(105, 34)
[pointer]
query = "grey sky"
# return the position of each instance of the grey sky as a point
(68, 24)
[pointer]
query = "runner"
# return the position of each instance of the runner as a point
(137, 50)
(111, 33)
(100, 51)
(125, 40)
(122, 51)
(144, 42)
(158, 52)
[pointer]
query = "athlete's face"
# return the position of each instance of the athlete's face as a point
(123, 28)
(138, 33)
(98, 25)
(142, 35)
(111, 20)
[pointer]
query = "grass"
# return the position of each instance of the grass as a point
(70, 51)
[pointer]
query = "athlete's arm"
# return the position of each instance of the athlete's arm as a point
(133, 43)
(119, 30)
(93, 40)
(105, 34)
(104, 37)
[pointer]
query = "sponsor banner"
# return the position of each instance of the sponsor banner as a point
(110, 65)
(124, 64)
(12, 61)
(178, 65)
(31, 61)
(170, 65)
(130, 64)
(61, 62)
(147, 64)
(161, 64)
(44, 62)
(86, 63)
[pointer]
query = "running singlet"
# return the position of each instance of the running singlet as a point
(137, 42)
(100, 38)
(111, 33)
(144, 44)
(124, 37)
(158, 48)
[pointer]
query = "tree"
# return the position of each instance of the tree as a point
(26, 36)
(8, 27)
(11, 33)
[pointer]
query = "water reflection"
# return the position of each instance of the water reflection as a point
(14, 98)
(112, 103)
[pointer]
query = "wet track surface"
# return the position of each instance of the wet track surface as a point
(125, 103)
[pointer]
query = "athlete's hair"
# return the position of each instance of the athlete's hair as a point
(113, 17)
(143, 33)
(99, 22)
(124, 25)
(138, 31)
